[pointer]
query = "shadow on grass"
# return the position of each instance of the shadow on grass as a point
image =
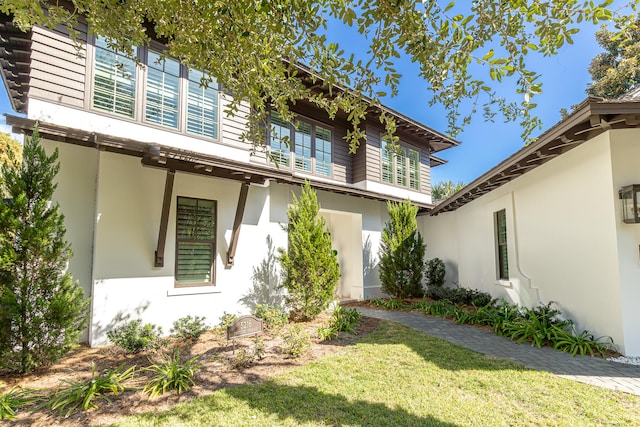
(291, 405)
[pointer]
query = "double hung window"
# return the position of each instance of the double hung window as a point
(114, 81)
(306, 146)
(172, 96)
(400, 165)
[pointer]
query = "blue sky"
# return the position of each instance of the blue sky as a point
(484, 145)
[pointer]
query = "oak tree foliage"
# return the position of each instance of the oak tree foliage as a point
(617, 69)
(463, 48)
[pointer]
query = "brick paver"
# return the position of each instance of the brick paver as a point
(590, 370)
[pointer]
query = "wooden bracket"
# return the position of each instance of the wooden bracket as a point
(235, 234)
(164, 219)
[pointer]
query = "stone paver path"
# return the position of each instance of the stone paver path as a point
(590, 370)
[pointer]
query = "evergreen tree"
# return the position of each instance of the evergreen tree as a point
(402, 252)
(42, 311)
(310, 265)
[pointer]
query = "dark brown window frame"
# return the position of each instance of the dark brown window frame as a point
(314, 124)
(213, 243)
(502, 244)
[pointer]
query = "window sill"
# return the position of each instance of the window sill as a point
(195, 290)
(504, 283)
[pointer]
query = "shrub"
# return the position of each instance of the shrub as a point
(83, 394)
(273, 317)
(134, 337)
(436, 271)
(401, 252)
(460, 295)
(172, 375)
(227, 319)
(189, 328)
(295, 341)
(42, 310)
(310, 265)
(242, 359)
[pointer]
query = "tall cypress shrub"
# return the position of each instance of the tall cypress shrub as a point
(42, 311)
(310, 265)
(402, 252)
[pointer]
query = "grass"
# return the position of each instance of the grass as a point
(397, 376)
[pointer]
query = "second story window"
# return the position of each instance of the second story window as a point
(114, 81)
(202, 106)
(400, 166)
(186, 101)
(306, 147)
(162, 90)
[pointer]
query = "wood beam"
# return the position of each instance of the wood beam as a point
(237, 223)
(164, 219)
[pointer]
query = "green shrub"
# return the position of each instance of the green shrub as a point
(42, 310)
(134, 337)
(310, 265)
(172, 375)
(273, 317)
(227, 319)
(84, 394)
(242, 359)
(13, 400)
(189, 328)
(295, 341)
(402, 252)
(436, 271)
(460, 295)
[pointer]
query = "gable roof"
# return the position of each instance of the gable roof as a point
(590, 118)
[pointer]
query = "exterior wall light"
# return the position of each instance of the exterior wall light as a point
(630, 197)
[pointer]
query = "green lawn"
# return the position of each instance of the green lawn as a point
(397, 376)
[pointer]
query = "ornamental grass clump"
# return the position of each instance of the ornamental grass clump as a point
(84, 394)
(172, 375)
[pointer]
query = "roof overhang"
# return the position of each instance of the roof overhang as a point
(15, 62)
(170, 158)
(590, 118)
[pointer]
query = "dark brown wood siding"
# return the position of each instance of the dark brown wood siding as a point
(371, 170)
(373, 154)
(58, 66)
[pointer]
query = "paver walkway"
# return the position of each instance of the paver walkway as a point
(590, 370)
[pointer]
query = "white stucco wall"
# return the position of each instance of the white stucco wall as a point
(113, 207)
(562, 246)
(625, 156)
(75, 193)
